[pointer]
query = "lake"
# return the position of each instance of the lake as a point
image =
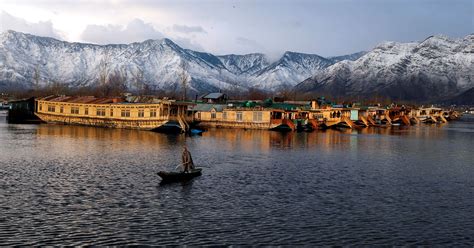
(74, 185)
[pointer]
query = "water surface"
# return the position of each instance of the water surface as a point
(73, 185)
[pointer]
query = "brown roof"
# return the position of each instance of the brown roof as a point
(81, 99)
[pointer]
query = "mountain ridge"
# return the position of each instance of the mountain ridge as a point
(157, 63)
(434, 69)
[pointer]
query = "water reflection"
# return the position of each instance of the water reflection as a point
(245, 140)
(116, 136)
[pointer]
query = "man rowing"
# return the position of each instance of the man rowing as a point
(188, 164)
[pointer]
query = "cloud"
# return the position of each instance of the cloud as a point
(188, 44)
(188, 29)
(135, 31)
(42, 28)
(241, 41)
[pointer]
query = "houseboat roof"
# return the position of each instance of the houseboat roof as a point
(208, 107)
(109, 100)
(284, 106)
(432, 108)
(81, 99)
(22, 100)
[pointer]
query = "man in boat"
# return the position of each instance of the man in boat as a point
(188, 164)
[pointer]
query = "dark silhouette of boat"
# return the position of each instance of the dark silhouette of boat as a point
(171, 176)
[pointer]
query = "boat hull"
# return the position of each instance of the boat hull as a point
(101, 122)
(179, 176)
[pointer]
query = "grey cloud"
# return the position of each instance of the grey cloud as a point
(188, 29)
(134, 31)
(42, 28)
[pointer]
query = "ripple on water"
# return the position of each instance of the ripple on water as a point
(63, 185)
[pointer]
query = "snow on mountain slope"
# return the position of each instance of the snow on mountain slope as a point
(26, 59)
(354, 56)
(436, 68)
(157, 63)
(247, 64)
(291, 69)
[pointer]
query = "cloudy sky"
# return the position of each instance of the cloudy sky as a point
(325, 27)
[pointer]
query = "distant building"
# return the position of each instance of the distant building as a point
(215, 98)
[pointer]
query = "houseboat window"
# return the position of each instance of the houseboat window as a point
(277, 115)
(141, 113)
(224, 115)
(174, 112)
(86, 111)
(318, 116)
(111, 112)
(100, 112)
(153, 113)
(164, 112)
(41, 107)
(239, 116)
(257, 116)
(125, 113)
(61, 109)
(51, 108)
(74, 110)
(213, 115)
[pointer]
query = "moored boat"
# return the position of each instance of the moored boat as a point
(156, 114)
(172, 176)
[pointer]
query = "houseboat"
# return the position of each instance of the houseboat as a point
(157, 115)
(430, 115)
(22, 111)
(229, 116)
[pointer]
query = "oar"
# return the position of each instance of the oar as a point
(178, 166)
(208, 166)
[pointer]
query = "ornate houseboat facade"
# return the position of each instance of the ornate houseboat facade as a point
(173, 116)
(113, 112)
(224, 116)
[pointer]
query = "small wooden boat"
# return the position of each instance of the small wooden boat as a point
(171, 176)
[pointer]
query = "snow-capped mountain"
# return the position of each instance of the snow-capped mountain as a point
(248, 64)
(434, 69)
(353, 56)
(156, 63)
(159, 64)
(291, 69)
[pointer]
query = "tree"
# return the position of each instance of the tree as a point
(184, 78)
(115, 85)
(139, 84)
(256, 94)
(36, 76)
(104, 65)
